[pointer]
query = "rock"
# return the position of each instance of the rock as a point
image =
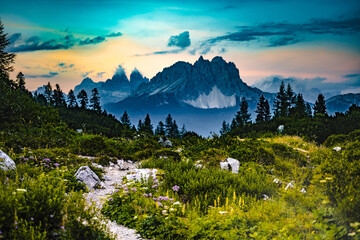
(337, 149)
(106, 178)
(86, 175)
(224, 165)
(303, 190)
(97, 165)
(6, 163)
(290, 185)
(265, 197)
(281, 128)
(230, 163)
(143, 173)
(277, 181)
(165, 143)
(197, 165)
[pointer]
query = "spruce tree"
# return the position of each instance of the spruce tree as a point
(6, 59)
(95, 100)
(48, 93)
(300, 107)
(148, 127)
(125, 120)
(308, 110)
(262, 110)
(320, 105)
(140, 126)
(174, 133)
(225, 128)
(267, 110)
(291, 99)
(72, 103)
(82, 96)
(58, 96)
(242, 117)
(160, 129)
(20, 80)
(281, 102)
(168, 125)
(183, 130)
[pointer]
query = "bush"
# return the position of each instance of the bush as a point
(38, 207)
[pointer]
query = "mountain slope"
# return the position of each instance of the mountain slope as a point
(341, 103)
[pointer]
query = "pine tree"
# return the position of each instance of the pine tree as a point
(125, 120)
(48, 93)
(308, 110)
(291, 99)
(242, 117)
(320, 105)
(20, 80)
(160, 129)
(6, 59)
(262, 110)
(267, 110)
(140, 126)
(168, 124)
(300, 107)
(82, 96)
(281, 102)
(225, 129)
(95, 100)
(148, 127)
(72, 103)
(183, 130)
(58, 97)
(174, 133)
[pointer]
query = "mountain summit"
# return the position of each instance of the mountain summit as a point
(205, 84)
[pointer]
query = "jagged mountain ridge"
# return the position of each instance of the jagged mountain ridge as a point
(204, 84)
(114, 89)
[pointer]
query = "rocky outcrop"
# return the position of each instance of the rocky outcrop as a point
(6, 163)
(85, 175)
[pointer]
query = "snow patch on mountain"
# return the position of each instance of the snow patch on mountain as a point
(215, 99)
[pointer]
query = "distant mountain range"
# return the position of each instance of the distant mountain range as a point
(115, 89)
(199, 95)
(341, 103)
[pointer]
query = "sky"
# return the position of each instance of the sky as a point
(64, 41)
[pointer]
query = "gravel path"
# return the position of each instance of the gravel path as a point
(113, 176)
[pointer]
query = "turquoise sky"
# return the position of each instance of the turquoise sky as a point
(303, 39)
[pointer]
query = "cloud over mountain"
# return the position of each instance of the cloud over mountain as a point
(49, 75)
(182, 40)
(277, 34)
(35, 43)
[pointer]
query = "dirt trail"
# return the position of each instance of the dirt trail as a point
(113, 176)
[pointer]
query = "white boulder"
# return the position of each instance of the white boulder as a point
(337, 149)
(303, 190)
(6, 163)
(230, 163)
(86, 175)
(281, 128)
(290, 185)
(165, 143)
